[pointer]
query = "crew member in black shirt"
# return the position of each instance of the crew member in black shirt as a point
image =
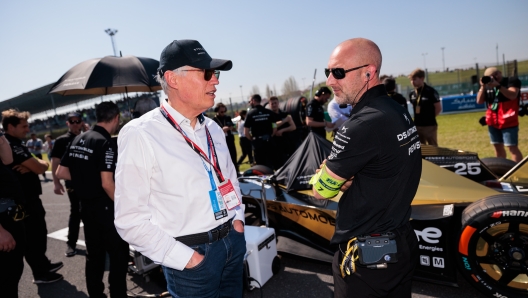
(12, 234)
(426, 104)
(390, 86)
(89, 162)
(75, 123)
(227, 125)
(315, 112)
(379, 149)
(27, 168)
(260, 127)
(282, 139)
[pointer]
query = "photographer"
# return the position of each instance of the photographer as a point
(502, 97)
(12, 233)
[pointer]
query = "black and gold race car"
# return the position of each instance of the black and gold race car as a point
(465, 217)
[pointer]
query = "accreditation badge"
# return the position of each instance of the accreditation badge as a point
(229, 195)
(218, 204)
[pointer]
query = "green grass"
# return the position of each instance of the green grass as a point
(458, 131)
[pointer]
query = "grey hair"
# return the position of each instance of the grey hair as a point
(161, 78)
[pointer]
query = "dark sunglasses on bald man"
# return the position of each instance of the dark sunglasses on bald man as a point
(74, 121)
(339, 73)
(208, 73)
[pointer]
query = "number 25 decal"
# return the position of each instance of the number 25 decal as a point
(471, 168)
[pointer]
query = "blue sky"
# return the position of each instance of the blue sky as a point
(268, 41)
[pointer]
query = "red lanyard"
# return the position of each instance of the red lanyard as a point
(195, 147)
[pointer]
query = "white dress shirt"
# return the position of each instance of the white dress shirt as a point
(162, 187)
(338, 115)
(240, 128)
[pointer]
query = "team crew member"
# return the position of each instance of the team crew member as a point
(426, 104)
(281, 138)
(502, 96)
(259, 128)
(367, 148)
(12, 234)
(89, 162)
(75, 124)
(177, 195)
(315, 112)
(27, 169)
(245, 143)
(390, 86)
(227, 125)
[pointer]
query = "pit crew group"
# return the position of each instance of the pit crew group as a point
(169, 186)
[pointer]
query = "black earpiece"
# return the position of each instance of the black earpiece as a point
(368, 75)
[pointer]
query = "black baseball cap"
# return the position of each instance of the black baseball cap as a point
(189, 52)
(74, 114)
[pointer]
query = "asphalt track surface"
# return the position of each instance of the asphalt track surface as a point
(298, 277)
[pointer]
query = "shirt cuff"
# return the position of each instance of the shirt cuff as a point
(178, 257)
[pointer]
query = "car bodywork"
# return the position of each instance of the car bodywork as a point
(305, 225)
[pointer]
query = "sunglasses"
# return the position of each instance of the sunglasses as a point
(208, 73)
(74, 121)
(339, 73)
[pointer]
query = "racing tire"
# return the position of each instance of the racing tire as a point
(258, 170)
(498, 165)
(493, 245)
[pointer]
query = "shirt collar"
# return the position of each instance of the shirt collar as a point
(13, 140)
(102, 131)
(371, 93)
(180, 119)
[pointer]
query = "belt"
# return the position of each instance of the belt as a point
(207, 237)
(399, 231)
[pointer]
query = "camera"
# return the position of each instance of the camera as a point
(487, 79)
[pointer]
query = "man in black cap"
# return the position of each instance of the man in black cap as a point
(259, 127)
(89, 162)
(177, 198)
(75, 124)
(315, 118)
(27, 168)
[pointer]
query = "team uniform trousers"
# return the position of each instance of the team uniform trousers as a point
(75, 218)
(245, 145)
(395, 281)
(263, 148)
(36, 237)
(101, 237)
(428, 134)
(12, 263)
(218, 275)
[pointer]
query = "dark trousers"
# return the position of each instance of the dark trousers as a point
(218, 275)
(230, 140)
(264, 151)
(395, 281)
(75, 218)
(36, 237)
(13, 261)
(101, 238)
(245, 145)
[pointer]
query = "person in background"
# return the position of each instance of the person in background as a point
(47, 146)
(12, 233)
(227, 126)
(27, 168)
(315, 112)
(338, 113)
(390, 86)
(281, 139)
(426, 105)
(34, 145)
(502, 97)
(245, 143)
(75, 123)
(89, 162)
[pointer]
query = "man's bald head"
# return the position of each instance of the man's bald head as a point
(354, 53)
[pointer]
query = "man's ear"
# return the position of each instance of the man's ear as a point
(171, 79)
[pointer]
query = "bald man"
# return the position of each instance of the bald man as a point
(384, 161)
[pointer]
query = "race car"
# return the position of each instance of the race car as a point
(461, 224)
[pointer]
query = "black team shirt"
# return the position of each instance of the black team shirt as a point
(259, 120)
(59, 148)
(88, 155)
(428, 97)
(30, 181)
(315, 110)
(378, 146)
